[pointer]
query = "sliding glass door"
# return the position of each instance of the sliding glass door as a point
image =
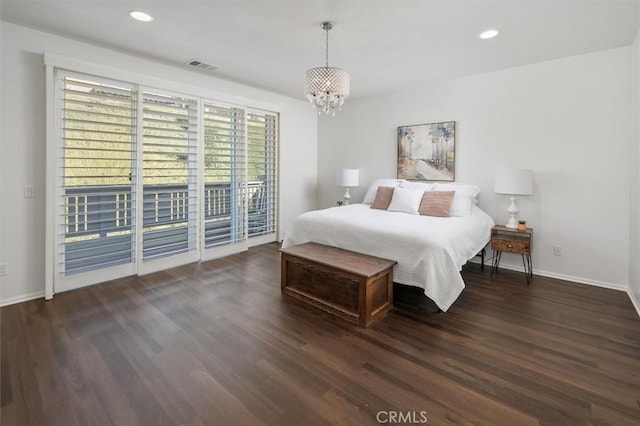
(169, 179)
(96, 178)
(147, 179)
(262, 176)
(224, 175)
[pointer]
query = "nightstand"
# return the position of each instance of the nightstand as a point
(512, 241)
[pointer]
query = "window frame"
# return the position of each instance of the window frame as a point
(57, 63)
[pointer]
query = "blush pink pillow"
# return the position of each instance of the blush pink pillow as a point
(383, 198)
(436, 203)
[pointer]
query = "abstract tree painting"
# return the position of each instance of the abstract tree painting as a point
(427, 151)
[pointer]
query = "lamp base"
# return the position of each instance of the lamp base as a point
(513, 211)
(512, 223)
(347, 197)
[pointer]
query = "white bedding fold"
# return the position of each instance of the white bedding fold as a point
(430, 251)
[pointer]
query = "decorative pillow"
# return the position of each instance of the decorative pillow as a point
(436, 203)
(383, 198)
(464, 198)
(406, 200)
(373, 188)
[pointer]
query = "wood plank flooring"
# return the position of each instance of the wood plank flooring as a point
(217, 344)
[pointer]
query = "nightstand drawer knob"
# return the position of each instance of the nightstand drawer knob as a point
(510, 245)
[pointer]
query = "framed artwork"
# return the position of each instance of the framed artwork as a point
(427, 151)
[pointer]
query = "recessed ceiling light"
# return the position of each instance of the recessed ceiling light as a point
(140, 16)
(489, 34)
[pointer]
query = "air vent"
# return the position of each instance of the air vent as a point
(202, 65)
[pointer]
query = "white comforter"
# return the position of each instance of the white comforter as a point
(430, 251)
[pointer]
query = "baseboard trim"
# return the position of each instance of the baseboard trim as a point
(581, 280)
(572, 278)
(22, 298)
(634, 300)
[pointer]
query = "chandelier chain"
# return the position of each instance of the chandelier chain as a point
(327, 48)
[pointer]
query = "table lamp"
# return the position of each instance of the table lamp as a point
(513, 182)
(347, 178)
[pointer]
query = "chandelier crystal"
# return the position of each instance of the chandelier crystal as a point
(327, 87)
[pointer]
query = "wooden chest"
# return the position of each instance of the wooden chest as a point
(353, 286)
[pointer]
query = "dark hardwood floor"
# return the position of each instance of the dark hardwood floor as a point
(217, 344)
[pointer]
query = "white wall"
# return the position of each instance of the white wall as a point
(22, 161)
(634, 176)
(567, 119)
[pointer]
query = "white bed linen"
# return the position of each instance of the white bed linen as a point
(430, 251)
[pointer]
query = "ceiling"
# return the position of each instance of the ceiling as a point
(385, 45)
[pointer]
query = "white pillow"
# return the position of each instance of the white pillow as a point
(373, 188)
(465, 196)
(406, 200)
(415, 184)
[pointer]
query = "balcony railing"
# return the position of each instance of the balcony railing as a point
(99, 220)
(106, 209)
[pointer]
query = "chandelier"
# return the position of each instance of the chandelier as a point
(327, 87)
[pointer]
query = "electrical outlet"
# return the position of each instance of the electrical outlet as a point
(3, 270)
(557, 250)
(28, 191)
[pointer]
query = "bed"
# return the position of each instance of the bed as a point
(430, 251)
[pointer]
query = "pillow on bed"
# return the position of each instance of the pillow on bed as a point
(383, 198)
(373, 188)
(406, 200)
(416, 184)
(464, 198)
(436, 203)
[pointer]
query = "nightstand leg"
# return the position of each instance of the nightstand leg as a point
(528, 271)
(495, 262)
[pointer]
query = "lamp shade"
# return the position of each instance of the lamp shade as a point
(348, 177)
(513, 182)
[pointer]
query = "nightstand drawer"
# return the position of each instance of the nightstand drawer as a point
(512, 246)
